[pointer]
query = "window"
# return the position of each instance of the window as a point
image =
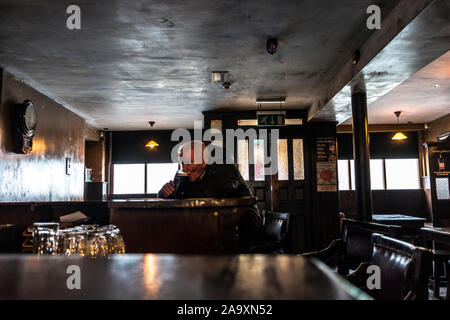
(254, 122)
(283, 170)
(158, 174)
(386, 174)
(352, 174)
(216, 128)
(282, 159)
(402, 174)
(129, 178)
(259, 159)
(242, 148)
(343, 175)
(376, 174)
(297, 156)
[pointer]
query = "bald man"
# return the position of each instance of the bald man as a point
(215, 181)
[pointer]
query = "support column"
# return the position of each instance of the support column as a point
(108, 160)
(361, 155)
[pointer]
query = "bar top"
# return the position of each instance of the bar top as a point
(181, 203)
(180, 277)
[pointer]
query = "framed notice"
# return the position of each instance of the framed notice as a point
(326, 164)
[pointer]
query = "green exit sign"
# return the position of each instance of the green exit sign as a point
(271, 118)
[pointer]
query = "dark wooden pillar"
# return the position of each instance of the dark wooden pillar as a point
(108, 160)
(361, 154)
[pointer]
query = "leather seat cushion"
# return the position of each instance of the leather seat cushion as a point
(396, 272)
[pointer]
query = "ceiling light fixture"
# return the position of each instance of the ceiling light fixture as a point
(219, 76)
(222, 78)
(399, 135)
(443, 136)
(270, 101)
(152, 144)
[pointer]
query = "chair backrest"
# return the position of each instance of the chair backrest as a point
(276, 225)
(356, 242)
(404, 269)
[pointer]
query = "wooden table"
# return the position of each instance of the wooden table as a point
(179, 277)
(441, 235)
(194, 226)
(410, 225)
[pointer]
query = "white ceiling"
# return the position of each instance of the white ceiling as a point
(135, 61)
(422, 98)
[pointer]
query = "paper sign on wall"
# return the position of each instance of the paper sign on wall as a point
(326, 164)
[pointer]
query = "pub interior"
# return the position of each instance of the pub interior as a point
(326, 130)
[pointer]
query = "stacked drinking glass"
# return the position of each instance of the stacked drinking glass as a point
(86, 240)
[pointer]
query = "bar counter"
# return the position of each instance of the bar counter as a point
(194, 226)
(179, 277)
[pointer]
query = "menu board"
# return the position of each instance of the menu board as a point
(326, 164)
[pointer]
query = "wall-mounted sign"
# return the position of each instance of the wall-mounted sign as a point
(326, 164)
(271, 118)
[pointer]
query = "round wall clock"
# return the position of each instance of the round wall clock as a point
(26, 122)
(30, 117)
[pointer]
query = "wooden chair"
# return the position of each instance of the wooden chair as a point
(438, 240)
(354, 246)
(404, 270)
(276, 226)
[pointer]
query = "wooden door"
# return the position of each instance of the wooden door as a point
(283, 191)
(289, 186)
(314, 212)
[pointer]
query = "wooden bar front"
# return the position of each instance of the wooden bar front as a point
(189, 226)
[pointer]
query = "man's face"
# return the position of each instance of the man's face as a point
(193, 170)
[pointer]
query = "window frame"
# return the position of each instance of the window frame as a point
(289, 156)
(122, 195)
(133, 195)
(350, 175)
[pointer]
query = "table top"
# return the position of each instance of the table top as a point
(442, 230)
(179, 277)
(442, 233)
(157, 203)
(395, 217)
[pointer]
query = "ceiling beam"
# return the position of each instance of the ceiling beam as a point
(91, 133)
(391, 26)
(347, 128)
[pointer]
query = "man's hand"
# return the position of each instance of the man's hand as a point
(168, 189)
